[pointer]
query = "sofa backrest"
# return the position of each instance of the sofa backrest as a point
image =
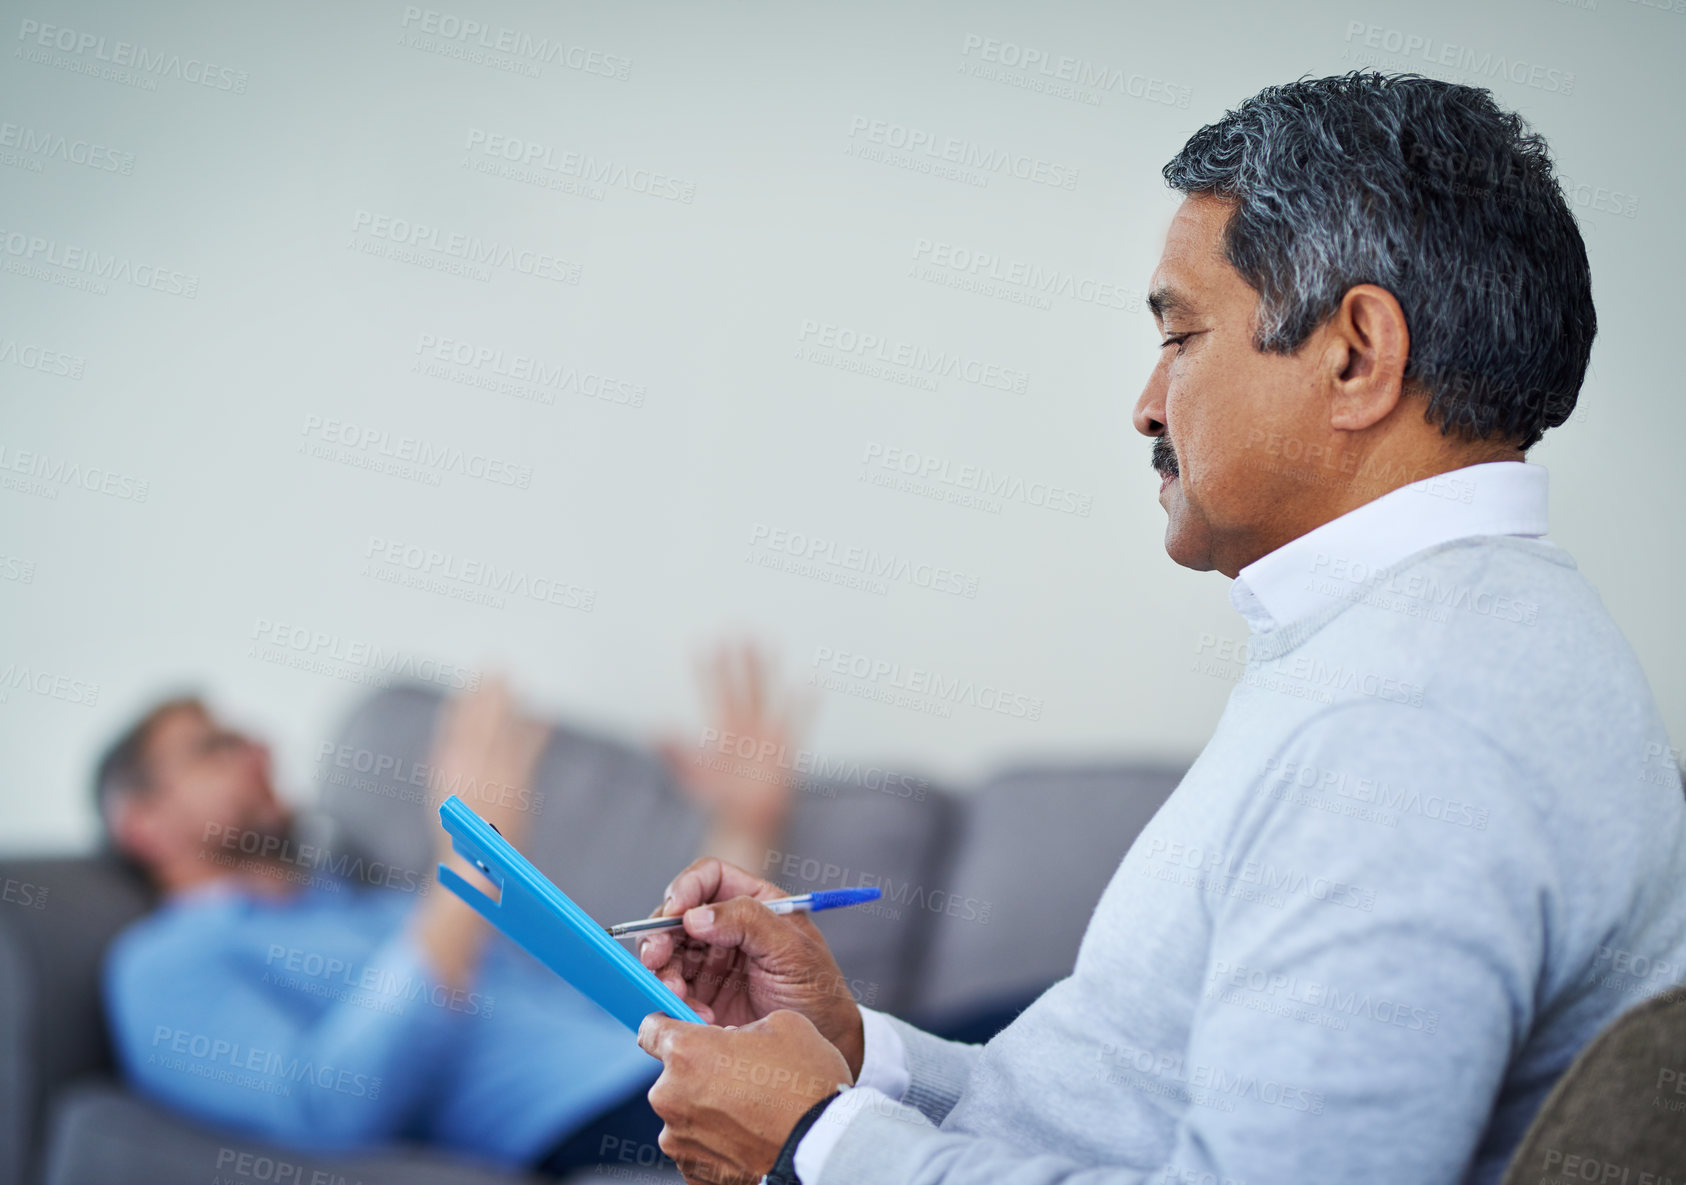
(608, 826)
(614, 828)
(1035, 847)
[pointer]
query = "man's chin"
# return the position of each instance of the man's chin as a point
(1186, 540)
(267, 826)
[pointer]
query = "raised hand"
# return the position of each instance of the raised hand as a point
(742, 770)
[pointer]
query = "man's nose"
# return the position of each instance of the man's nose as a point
(1149, 413)
(253, 754)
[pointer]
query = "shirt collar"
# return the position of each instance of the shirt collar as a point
(1332, 561)
(206, 891)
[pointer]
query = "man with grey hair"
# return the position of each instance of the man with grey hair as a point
(1428, 852)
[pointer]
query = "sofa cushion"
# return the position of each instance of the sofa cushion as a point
(1037, 845)
(102, 1133)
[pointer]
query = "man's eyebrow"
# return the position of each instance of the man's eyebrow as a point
(1165, 299)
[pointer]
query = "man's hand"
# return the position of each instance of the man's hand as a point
(730, 1097)
(737, 962)
(486, 750)
(742, 773)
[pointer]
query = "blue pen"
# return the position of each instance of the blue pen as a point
(802, 903)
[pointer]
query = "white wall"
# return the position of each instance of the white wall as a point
(255, 191)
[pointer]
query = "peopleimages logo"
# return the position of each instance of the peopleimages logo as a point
(39, 250)
(130, 56)
(1481, 62)
(50, 145)
(319, 649)
(433, 564)
(52, 473)
(758, 752)
(969, 154)
(1078, 72)
(15, 676)
(386, 235)
(868, 346)
(32, 357)
(1377, 793)
(925, 682)
(266, 1070)
(513, 373)
(924, 467)
(872, 565)
(427, 456)
(346, 866)
(580, 166)
(467, 33)
(1033, 279)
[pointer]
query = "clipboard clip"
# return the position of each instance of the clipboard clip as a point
(465, 846)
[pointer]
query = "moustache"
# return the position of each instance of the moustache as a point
(1165, 457)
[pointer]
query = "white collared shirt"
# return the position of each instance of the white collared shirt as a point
(1330, 562)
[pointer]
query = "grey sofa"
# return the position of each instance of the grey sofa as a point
(956, 935)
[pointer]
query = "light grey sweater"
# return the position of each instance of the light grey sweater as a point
(1419, 865)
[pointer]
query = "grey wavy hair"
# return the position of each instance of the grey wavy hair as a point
(1432, 191)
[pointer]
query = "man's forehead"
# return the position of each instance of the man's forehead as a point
(1192, 262)
(179, 727)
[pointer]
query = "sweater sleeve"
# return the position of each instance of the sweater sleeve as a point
(1367, 985)
(886, 1077)
(206, 1038)
(937, 1069)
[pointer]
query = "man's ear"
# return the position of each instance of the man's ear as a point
(1368, 344)
(133, 830)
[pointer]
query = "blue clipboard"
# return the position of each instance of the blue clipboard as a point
(543, 921)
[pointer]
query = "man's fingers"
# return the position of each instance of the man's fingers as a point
(674, 981)
(754, 679)
(711, 879)
(691, 961)
(655, 950)
(704, 881)
(719, 966)
(742, 923)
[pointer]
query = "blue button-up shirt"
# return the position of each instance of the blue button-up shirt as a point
(315, 1020)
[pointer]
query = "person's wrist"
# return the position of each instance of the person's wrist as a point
(783, 1171)
(762, 822)
(851, 1042)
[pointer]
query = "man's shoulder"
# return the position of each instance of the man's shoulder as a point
(1507, 632)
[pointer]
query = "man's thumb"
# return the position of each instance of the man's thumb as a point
(650, 1031)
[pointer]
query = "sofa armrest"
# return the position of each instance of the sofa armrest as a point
(57, 916)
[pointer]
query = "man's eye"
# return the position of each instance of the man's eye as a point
(1176, 339)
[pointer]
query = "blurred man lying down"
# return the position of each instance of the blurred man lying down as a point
(332, 1016)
